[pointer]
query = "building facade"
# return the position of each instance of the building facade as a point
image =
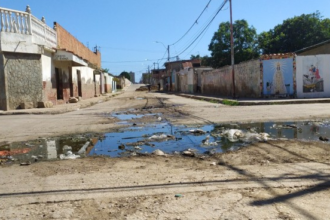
(42, 66)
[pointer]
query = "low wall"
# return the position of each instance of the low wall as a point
(217, 82)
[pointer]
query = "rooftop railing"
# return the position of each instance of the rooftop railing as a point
(20, 22)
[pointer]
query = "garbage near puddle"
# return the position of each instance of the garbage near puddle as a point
(158, 152)
(161, 137)
(198, 141)
(68, 156)
(235, 135)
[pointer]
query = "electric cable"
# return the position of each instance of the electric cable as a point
(223, 4)
(196, 22)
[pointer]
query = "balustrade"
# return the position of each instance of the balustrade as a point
(25, 23)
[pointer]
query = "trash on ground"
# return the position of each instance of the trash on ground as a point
(161, 137)
(83, 148)
(69, 155)
(158, 152)
(197, 131)
(188, 153)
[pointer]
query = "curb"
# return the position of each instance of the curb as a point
(64, 108)
(256, 102)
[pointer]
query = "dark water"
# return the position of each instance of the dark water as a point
(135, 140)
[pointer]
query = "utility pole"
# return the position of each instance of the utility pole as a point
(232, 48)
(149, 74)
(168, 52)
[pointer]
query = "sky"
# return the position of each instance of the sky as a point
(127, 31)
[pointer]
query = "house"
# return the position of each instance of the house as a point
(317, 49)
(42, 66)
(156, 77)
(173, 68)
(312, 71)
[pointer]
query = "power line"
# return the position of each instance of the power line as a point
(196, 22)
(125, 49)
(223, 4)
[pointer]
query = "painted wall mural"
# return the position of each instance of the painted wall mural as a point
(312, 81)
(278, 77)
(313, 76)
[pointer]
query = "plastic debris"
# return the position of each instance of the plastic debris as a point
(158, 137)
(158, 152)
(188, 153)
(233, 135)
(69, 155)
(83, 148)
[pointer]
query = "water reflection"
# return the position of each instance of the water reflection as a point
(135, 140)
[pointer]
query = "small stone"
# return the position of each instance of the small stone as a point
(73, 100)
(158, 152)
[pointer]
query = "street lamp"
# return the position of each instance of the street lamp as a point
(168, 49)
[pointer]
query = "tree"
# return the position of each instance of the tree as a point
(295, 33)
(245, 44)
(193, 57)
(105, 70)
(125, 74)
(205, 60)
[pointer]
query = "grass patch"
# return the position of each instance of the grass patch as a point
(230, 102)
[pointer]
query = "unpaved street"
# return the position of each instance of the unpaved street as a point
(267, 180)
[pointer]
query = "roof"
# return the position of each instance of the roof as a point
(313, 46)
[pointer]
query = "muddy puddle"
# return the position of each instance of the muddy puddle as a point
(146, 138)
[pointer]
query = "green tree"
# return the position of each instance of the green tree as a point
(245, 44)
(193, 57)
(205, 60)
(125, 74)
(105, 70)
(295, 33)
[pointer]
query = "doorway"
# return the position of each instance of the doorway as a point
(70, 82)
(105, 85)
(59, 83)
(79, 83)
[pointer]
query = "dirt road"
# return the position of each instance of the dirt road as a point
(269, 180)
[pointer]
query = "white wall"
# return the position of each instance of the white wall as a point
(18, 43)
(310, 81)
(47, 66)
(87, 74)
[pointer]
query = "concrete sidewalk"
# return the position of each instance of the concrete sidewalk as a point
(242, 101)
(59, 109)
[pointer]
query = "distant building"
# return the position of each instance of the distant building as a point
(132, 76)
(145, 78)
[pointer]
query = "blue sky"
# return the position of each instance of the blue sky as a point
(126, 30)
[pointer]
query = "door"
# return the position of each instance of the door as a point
(79, 83)
(70, 83)
(59, 83)
(105, 85)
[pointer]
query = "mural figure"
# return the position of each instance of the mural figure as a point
(312, 81)
(278, 77)
(278, 86)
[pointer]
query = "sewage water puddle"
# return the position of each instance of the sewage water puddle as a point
(162, 135)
